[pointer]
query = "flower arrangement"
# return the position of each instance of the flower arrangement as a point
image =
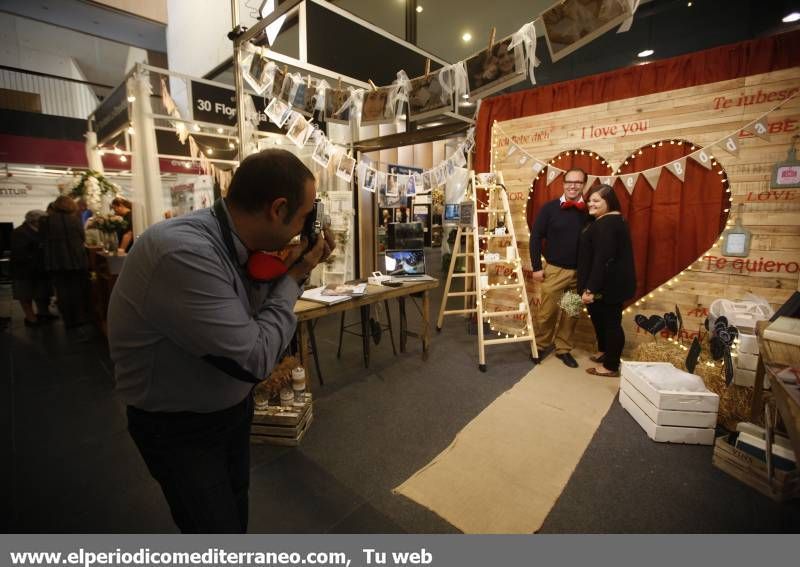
(108, 223)
(91, 186)
(571, 303)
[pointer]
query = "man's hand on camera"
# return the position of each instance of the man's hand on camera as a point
(320, 252)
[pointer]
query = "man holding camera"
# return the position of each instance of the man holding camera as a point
(192, 328)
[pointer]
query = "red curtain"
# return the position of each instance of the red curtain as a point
(710, 66)
(669, 226)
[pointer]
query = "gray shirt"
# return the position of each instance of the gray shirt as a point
(187, 330)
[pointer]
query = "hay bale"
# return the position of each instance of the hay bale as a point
(734, 401)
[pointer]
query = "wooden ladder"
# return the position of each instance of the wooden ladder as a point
(476, 276)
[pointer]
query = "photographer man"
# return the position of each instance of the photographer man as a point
(191, 332)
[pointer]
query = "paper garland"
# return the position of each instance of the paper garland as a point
(730, 143)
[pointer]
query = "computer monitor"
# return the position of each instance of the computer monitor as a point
(405, 263)
(406, 236)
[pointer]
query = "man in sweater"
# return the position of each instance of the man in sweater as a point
(555, 233)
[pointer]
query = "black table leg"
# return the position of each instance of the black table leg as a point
(313, 340)
(365, 334)
(403, 323)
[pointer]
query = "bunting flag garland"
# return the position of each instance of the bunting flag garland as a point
(629, 181)
(652, 176)
(759, 128)
(678, 168)
(552, 173)
(703, 158)
(511, 149)
(731, 146)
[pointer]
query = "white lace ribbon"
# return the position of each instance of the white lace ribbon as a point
(526, 37)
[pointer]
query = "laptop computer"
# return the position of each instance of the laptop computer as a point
(406, 265)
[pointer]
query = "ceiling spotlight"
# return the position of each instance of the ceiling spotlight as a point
(465, 96)
(130, 129)
(645, 53)
(689, 3)
(210, 151)
(132, 98)
(196, 127)
(466, 37)
(793, 17)
(220, 130)
(419, 9)
(123, 159)
(187, 165)
(230, 145)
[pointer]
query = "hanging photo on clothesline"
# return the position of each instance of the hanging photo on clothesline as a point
(259, 73)
(427, 182)
(381, 188)
(571, 24)
(337, 107)
(344, 169)
(438, 177)
(323, 153)
(411, 186)
(368, 182)
(278, 79)
(304, 98)
(278, 112)
(449, 167)
(377, 107)
(299, 130)
(494, 69)
(427, 98)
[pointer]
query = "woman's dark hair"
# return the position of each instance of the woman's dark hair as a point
(606, 193)
(122, 201)
(266, 176)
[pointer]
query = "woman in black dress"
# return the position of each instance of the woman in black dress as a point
(606, 276)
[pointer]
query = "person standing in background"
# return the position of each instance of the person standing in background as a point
(606, 277)
(65, 260)
(555, 233)
(29, 281)
(122, 207)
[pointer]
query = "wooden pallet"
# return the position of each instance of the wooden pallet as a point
(277, 425)
(753, 472)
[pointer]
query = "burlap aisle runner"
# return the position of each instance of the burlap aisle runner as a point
(506, 468)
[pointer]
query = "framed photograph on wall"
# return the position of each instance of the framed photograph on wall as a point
(571, 24)
(494, 69)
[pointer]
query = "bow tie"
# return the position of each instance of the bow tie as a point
(580, 205)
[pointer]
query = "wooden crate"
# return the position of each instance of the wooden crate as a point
(277, 425)
(753, 472)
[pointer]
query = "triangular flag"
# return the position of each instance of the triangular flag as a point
(590, 179)
(537, 166)
(678, 168)
(609, 180)
(552, 173)
(760, 128)
(652, 176)
(730, 145)
(703, 157)
(511, 149)
(629, 181)
(523, 159)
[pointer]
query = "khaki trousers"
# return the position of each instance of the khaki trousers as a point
(556, 282)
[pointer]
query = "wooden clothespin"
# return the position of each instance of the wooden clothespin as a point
(285, 70)
(339, 84)
(371, 84)
(309, 81)
(491, 38)
(427, 68)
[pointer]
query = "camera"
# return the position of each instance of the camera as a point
(314, 223)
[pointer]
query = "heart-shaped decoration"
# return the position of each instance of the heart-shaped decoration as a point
(717, 347)
(641, 321)
(728, 364)
(693, 355)
(671, 319)
(655, 323)
(661, 168)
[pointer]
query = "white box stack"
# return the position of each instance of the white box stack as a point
(746, 361)
(669, 404)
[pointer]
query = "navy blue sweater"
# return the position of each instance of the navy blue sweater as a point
(556, 232)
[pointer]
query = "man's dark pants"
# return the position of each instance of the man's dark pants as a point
(201, 461)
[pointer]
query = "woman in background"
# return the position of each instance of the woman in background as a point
(122, 207)
(65, 260)
(29, 282)
(606, 276)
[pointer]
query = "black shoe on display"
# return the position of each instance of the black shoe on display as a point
(544, 353)
(567, 359)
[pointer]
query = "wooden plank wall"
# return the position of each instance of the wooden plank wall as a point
(701, 115)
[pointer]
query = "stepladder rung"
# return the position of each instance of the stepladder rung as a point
(459, 311)
(491, 210)
(489, 315)
(467, 275)
(503, 286)
(517, 339)
(461, 293)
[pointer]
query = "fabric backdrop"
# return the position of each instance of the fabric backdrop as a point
(660, 252)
